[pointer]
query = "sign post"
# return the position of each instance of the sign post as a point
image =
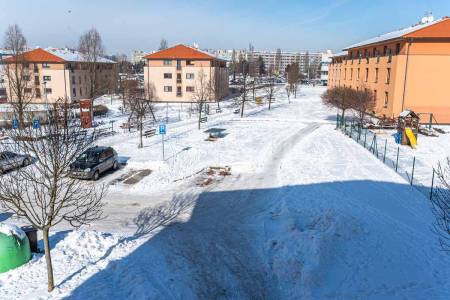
(162, 132)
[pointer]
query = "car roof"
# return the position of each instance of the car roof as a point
(98, 149)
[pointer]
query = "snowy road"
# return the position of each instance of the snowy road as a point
(306, 214)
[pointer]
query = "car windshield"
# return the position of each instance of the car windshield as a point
(89, 156)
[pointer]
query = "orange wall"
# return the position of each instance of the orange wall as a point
(427, 81)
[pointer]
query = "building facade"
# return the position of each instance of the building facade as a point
(178, 73)
(306, 60)
(54, 74)
(405, 69)
(324, 67)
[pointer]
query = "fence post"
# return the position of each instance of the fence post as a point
(365, 138)
(337, 120)
(351, 129)
(396, 164)
(432, 186)
(385, 147)
(412, 173)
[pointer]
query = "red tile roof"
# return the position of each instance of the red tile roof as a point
(37, 55)
(180, 52)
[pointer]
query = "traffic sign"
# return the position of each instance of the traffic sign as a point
(15, 123)
(36, 124)
(162, 128)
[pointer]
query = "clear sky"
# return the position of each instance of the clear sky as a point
(267, 24)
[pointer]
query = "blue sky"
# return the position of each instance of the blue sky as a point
(289, 24)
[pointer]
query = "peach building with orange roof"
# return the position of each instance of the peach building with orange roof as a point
(55, 74)
(406, 69)
(173, 74)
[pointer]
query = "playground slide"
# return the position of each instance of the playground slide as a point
(411, 137)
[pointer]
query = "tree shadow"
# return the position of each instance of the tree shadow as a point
(317, 241)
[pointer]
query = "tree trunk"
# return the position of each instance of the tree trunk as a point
(48, 260)
(242, 108)
(270, 101)
(141, 144)
(199, 115)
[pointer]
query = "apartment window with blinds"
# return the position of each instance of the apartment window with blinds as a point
(167, 62)
(48, 91)
(167, 89)
(190, 89)
(45, 66)
(167, 75)
(189, 75)
(388, 76)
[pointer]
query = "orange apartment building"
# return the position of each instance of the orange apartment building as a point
(173, 74)
(406, 69)
(54, 74)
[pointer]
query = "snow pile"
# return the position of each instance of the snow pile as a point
(12, 230)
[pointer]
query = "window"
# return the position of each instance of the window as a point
(48, 91)
(386, 99)
(167, 62)
(38, 93)
(179, 94)
(47, 78)
(178, 78)
(168, 89)
(36, 80)
(178, 64)
(27, 90)
(189, 75)
(26, 77)
(357, 74)
(367, 74)
(388, 76)
(351, 74)
(397, 49)
(376, 75)
(45, 66)
(345, 74)
(385, 50)
(81, 92)
(190, 89)
(167, 75)
(79, 80)
(375, 95)
(189, 63)
(73, 80)
(74, 92)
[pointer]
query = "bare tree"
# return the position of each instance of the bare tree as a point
(288, 92)
(139, 106)
(44, 193)
(338, 97)
(270, 88)
(17, 72)
(201, 94)
(441, 205)
(91, 47)
(218, 83)
(243, 99)
(363, 102)
(278, 61)
(163, 44)
(294, 77)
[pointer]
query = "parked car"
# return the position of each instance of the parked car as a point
(11, 161)
(93, 162)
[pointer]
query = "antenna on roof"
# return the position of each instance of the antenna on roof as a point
(427, 18)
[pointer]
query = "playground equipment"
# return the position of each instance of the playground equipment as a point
(408, 127)
(14, 247)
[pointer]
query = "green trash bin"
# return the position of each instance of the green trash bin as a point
(14, 247)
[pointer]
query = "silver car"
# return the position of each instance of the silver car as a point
(11, 161)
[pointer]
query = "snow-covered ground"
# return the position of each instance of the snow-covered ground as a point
(306, 213)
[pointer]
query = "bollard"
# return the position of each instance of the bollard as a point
(385, 146)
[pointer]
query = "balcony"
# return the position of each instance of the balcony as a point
(179, 94)
(179, 80)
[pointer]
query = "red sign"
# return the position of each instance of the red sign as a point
(86, 113)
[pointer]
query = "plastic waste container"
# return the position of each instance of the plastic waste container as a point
(14, 247)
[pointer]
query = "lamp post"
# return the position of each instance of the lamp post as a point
(46, 99)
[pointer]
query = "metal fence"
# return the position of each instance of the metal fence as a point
(405, 164)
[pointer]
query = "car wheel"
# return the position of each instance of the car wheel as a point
(96, 175)
(115, 166)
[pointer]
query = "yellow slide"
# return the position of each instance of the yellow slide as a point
(411, 137)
